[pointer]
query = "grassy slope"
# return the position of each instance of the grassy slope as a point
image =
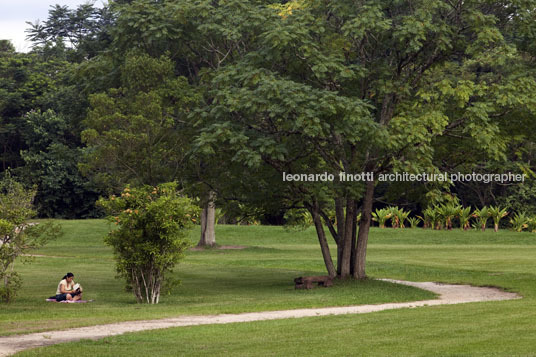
(214, 281)
(504, 328)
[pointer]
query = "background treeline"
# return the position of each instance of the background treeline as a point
(120, 95)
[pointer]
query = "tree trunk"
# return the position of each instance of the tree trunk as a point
(208, 215)
(136, 286)
(323, 241)
(362, 236)
(339, 257)
(339, 216)
(347, 239)
(354, 243)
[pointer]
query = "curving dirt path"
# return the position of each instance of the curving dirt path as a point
(448, 294)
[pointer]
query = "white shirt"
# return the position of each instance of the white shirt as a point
(67, 286)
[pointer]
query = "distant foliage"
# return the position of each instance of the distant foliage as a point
(84, 31)
(137, 134)
(51, 163)
(298, 219)
(520, 198)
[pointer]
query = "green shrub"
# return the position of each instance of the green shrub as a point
(153, 223)
(16, 235)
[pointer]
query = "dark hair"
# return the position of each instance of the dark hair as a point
(68, 275)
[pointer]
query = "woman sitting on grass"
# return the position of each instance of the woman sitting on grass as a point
(67, 290)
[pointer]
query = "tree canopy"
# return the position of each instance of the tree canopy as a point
(226, 96)
(377, 86)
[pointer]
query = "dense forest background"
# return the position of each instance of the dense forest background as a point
(137, 92)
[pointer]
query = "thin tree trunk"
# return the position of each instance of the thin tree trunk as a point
(208, 215)
(146, 288)
(339, 256)
(323, 241)
(136, 286)
(339, 216)
(362, 236)
(354, 244)
(347, 241)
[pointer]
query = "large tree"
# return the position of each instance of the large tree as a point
(368, 86)
(40, 146)
(26, 81)
(83, 31)
(198, 38)
(136, 133)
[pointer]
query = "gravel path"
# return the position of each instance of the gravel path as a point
(448, 294)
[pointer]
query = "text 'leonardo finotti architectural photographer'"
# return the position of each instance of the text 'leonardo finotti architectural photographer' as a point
(404, 177)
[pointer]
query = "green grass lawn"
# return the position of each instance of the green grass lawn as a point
(260, 278)
(214, 281)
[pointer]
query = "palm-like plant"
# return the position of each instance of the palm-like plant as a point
(464, 215)
(395, 219)
(402, 217)
(427, 218)
(398, 217)
(519, 221)
(381, 216)
(482, 215)
(531, 224)
(497, 214)
(414, 221)
(447, 212)
(437, 218)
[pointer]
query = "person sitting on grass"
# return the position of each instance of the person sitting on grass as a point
(67, 290)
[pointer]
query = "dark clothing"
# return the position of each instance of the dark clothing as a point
(62, 297)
